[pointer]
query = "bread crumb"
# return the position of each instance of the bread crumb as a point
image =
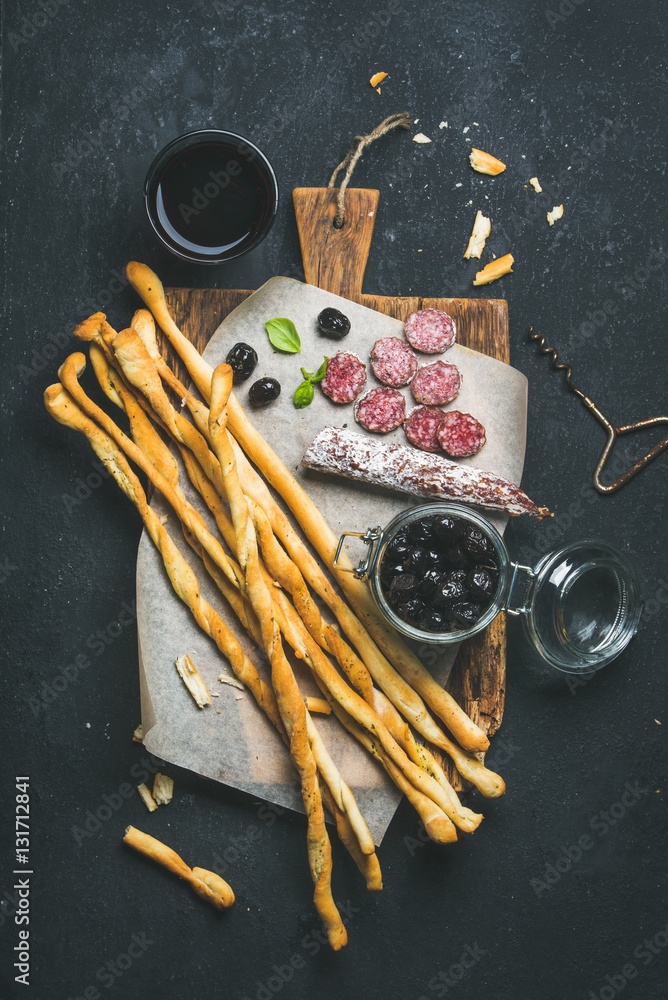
(485, 163)
(535, 184)
(421, 138)
(232, 681)
(147, 798)
(443, 125)
(555, 214)
(481, 230)
(138, 735)
(192, 680)
(494, 270)
(163, 789)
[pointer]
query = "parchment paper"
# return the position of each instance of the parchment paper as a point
(231, 741)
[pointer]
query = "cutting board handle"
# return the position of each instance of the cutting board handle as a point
(335, 259)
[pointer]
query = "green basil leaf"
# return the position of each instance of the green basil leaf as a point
(283, 335)
(307, 375)
(321, 372)
(304, 395)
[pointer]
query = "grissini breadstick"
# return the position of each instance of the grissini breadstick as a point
(307, 649)
(294, 633)
(470, 736)
(69, 373)
(63, 408)
(288, 575)
(438, 826)
(165, 461)
(367, 863)
(398, 691)
(288, 696)
(206, 884)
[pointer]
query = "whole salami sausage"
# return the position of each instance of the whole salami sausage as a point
(385, 463)
(422, 428)
(430, 331)
(393, 361)
(345, 378)
(381, 410)
(460, 434)
(436, 383)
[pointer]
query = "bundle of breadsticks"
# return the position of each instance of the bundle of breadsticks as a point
(266, 573)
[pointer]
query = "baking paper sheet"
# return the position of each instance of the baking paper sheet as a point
(232, 741)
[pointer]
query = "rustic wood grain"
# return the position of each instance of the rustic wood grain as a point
(335, 260)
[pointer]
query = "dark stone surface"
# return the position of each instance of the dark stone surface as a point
(586, 91)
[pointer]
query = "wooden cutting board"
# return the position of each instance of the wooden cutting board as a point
(335, 259)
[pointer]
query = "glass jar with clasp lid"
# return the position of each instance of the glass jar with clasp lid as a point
(441, 573)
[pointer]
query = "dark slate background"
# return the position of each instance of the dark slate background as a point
(91, 92)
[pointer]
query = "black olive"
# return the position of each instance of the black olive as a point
(242, 359)
(412, 611)
(433, 557)
(434, 621)
(465, 613)
(421, 532)
(416, 561)
(429, 582)
(265, 390)
(448, 529)
(457, 557)
(453, 587)
(403, 588)
(476, 543)
(399, 547)
(389, 568)
(480, 584)
(333, 323)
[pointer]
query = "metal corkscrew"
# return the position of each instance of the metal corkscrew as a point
(613, 432)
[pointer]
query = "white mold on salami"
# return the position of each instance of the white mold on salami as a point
(398, 467)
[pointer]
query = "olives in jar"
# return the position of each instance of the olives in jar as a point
(438, 574)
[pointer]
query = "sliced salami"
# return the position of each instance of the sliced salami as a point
(393, 361)
(460, 434)
(436, 383)
(381, 410)
(430, 331)
(422, 428)
(345, 378)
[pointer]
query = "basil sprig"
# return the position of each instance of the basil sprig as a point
(283, 335)
(304, 392)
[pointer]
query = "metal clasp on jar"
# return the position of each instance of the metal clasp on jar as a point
(366, 566)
